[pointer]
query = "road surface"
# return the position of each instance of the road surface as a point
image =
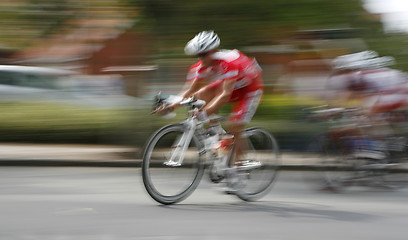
(65, 203)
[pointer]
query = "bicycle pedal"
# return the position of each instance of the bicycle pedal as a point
(230, 191)
(248, 165)
(172, 164)
(216, 176)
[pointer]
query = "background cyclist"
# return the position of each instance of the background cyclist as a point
(366, 79)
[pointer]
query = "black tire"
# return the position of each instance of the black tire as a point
(342, 167)
(171, 184)
(396, 177)
(337, 166)
(263, 147)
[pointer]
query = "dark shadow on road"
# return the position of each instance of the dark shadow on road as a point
(279, 209)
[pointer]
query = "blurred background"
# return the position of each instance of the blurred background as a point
(95, 65)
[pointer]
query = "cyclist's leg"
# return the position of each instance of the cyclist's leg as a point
(241, 115)
(240, 145)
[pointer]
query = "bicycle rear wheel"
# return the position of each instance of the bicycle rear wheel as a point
(258, 181)
(168, 184)
(340, 165)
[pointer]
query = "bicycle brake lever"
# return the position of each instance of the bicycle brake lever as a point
(186, 100)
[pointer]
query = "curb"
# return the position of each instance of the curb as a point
(66, 163)
(136, 164)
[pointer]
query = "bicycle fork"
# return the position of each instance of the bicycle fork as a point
(181, 144)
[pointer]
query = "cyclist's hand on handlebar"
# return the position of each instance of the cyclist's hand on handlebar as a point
(201, 116)
(165, 109)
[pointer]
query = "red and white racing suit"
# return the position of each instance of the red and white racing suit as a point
(386, 89)
(232, 65)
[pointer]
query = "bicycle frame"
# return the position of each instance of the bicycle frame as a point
(192, 137)
(181, 144)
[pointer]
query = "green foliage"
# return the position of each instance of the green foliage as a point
(261, 21)
(56, 123)
(392, 44)
(52, 17)
(245, 22)
(284, 106)
(44, 122)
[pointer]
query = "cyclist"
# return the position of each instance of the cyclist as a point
(221, 77)
(378, 90)
(366, 78)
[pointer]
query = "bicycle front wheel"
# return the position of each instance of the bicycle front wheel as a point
(262, 148)
(339, 168)
(169, 183)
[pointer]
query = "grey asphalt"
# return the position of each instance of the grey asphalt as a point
(72, 203)
(77, 155)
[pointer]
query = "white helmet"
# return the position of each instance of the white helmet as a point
(362, 61)
(353, 61)
(202, 42)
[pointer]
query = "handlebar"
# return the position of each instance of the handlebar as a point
(336, 114)
(160, 101)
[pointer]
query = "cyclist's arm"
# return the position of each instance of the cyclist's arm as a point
(191, 88)
(215, 104)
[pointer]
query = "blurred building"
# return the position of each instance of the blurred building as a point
(90, 47)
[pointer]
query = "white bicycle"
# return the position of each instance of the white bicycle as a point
(175, 157)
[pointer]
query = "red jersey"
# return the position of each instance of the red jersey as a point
(231, 65)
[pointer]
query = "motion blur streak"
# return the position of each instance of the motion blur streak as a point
(113, 56)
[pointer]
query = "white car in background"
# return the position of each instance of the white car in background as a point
(23, 83)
